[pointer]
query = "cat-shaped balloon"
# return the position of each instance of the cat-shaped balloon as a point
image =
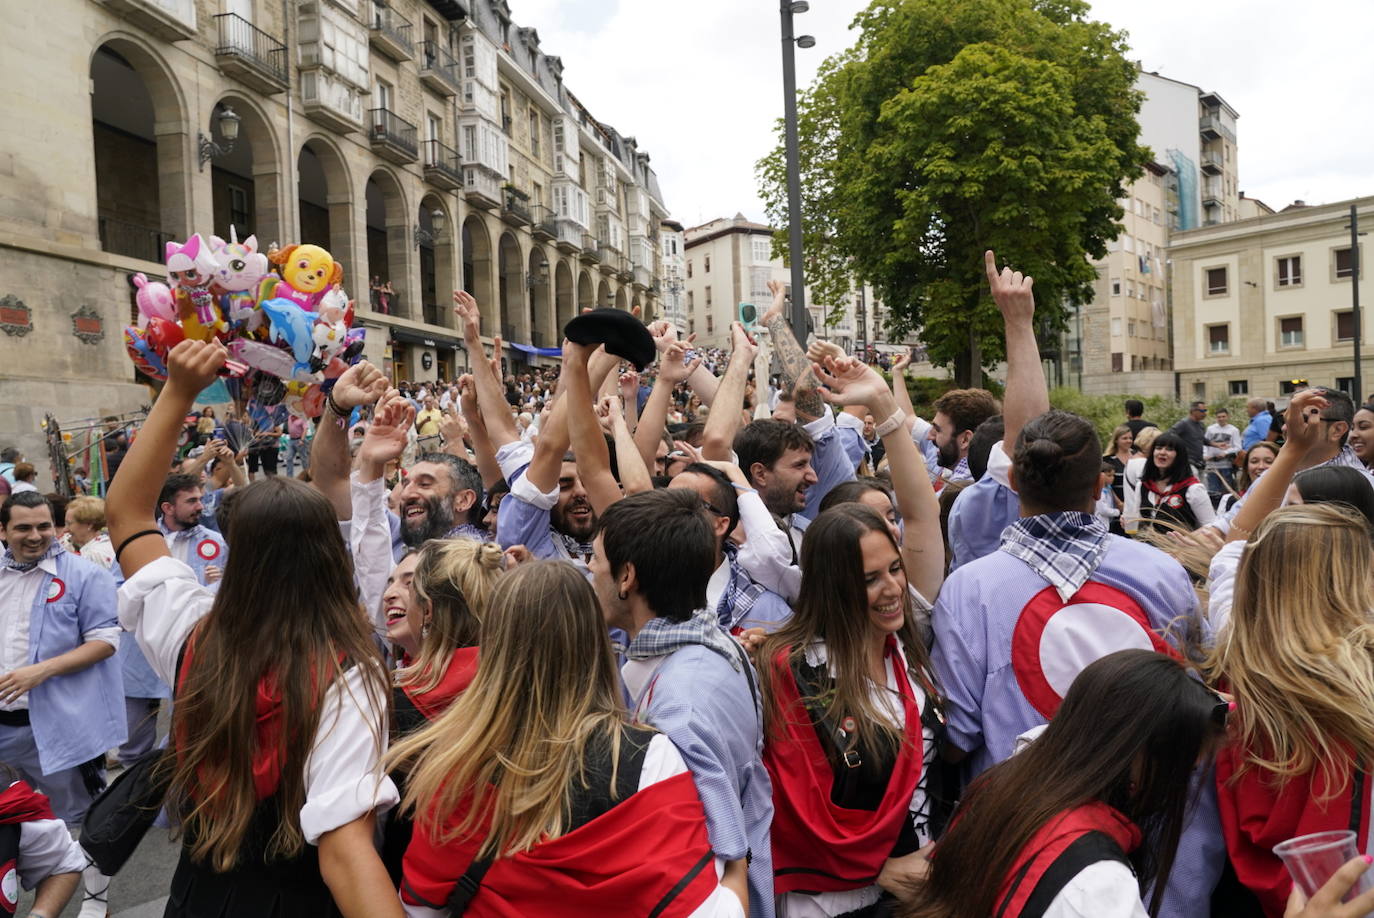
(191, 267)
(241, 269)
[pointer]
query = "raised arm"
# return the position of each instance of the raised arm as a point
(588, 443)
(129, 506)
(482, 447)
(635, 475)
(485, 374)
(899, 389)
(797, 375)
(1027, 394)
(851, 382)
(1302, 431)
(718, 438)
(673, 369)
(330, 459)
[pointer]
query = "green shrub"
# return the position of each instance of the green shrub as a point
(1107, 412)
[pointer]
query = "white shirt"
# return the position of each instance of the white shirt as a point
(715, 587)
(1106, 889)
(162, 603)
(46, 848)
(1221, 584)
(1219, 456)
(886, 699)
(661, 762)
(99, 550)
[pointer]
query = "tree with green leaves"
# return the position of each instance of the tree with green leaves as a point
(952, 127)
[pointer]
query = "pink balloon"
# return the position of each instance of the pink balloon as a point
(155, 300)
(335, 368)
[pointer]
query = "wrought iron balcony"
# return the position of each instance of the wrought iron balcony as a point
(246, 52)
(591, 249)
(544, 226)
(389, 33)
(515, 206)
(438, 69)
(170, 20)
(121, 238)
(392, 136)
(442, 168)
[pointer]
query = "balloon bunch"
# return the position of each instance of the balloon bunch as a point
(290, 333)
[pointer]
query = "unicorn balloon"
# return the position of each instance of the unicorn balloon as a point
(240, 268)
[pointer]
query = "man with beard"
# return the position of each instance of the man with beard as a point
(944, 440)
(441, 499)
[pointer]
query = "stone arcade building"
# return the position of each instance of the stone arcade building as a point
(430, 145)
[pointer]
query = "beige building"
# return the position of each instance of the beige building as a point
(730, 262)
(430, 145)
(672, 248)
(1192, 181)
(1263, 305)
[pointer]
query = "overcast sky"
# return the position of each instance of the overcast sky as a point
(699, 83)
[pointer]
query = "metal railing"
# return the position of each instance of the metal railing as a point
(515, 202)
(435, 59)
(239, 37)
(121, 238)
(393, 25)
(544, 221)
(591, 246)
(392, 128)
(567, 232)
(444, 159)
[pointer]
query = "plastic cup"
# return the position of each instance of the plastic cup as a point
(1313, 859)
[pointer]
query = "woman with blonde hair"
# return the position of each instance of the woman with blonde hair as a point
(1298, 656)
(86, 530)
(450, 590)
(526, 789)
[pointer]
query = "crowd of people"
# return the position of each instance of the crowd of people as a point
(736, 634)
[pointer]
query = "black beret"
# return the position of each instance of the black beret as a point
(622, 333)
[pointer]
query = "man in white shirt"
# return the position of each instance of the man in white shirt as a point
(1221, 445)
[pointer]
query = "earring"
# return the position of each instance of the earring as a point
(424, 630)
(624, 595)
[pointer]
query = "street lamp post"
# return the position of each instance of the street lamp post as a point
(789, 8)
(1358, 394)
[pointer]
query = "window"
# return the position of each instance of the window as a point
(1116, 327)
(1116, 361)
(436, 131)
(534, 133)
(689, 268)
(691, 324)
(1345, 325)
(537, 194)
(470, 142)
(1128, 243)
(708, 296)
(1290, 332)
(691, 300)
(505, 110)
(1219, 339)
(763, 249)
(1130, 327)
(1289, 271)
(1347, 385)
(1345, 265)
(384, 95)
(1238, 387)
(1116, 286)
(1130, 289)
(238, 206)
(1200, 391)
(1289, 386)
(710, 323)
(707, 266)
(1215, 281)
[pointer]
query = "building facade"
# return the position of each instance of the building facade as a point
(672, 248)
(428, 145)
(1192, 181)
(1262, 306)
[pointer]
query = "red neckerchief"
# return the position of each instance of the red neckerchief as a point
(458, 675)
(818, 846)
(1053, 838)
(635, 855)
(21, 803)
(1155, 485)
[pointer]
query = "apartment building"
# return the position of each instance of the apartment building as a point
(672, 248)
(1192, 181)
(1262, 306)
(428, 144)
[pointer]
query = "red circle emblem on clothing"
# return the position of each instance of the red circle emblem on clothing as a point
(56, 590)
(1055, 640)
(208, 549)
(9, 888)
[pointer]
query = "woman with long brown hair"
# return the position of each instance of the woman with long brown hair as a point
(852, 719)
(532, 795)
(1089, 815)
(1298, 654)
(281, 696)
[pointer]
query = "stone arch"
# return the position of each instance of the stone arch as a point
(510, 271)
(324, 190)
(636, 303)
(622, 302)
(604, 299)
(586, 293)
(477, 271)
(388, 238)
(140, 132)
(539, 281)
(564, 307)
(438, 268)
(247, 181)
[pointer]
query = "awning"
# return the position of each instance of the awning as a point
(537, 351)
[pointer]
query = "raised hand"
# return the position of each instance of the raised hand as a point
(850, 381)
(1011, 290)
(361, 384)
(452, 427)
(629, 385)
(193, 365)
(465, 308)
(742, 342)
(673, 366)
(1303, 420)
(779, 291)
(820, 350)
(901, 362)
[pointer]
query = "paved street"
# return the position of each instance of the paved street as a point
(140, 890)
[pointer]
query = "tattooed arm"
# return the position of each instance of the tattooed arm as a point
(797, 375)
